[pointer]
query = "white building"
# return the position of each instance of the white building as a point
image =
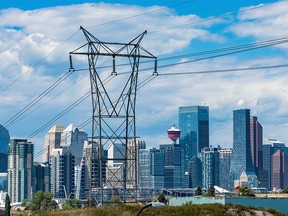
(73, 139)
(52, 141)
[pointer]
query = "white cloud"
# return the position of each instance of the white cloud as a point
(36, 33)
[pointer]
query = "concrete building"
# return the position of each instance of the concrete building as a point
(52, 141)
(20, 168)
(133, 161)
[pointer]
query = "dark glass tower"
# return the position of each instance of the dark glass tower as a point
(194, 126)
(241, 157)
(256, 132)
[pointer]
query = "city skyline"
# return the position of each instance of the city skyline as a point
(264, 92)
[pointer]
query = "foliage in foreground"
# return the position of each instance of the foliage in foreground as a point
(188, 209)
(42, 201)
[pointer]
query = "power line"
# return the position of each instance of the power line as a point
(37, 99)
(38, 62)
(224, 70)
(214, 17)
(141, 14)
(72, 35)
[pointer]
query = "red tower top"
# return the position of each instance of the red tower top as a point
(174, 134)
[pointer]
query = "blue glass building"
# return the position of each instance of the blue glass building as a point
(241, 155)
(173, 165)
(194, 126)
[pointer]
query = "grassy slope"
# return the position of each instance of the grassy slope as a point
(206, 209)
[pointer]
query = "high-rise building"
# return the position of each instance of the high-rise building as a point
(52, 141)
(173, 169)
(73, 138)
(62, 168)
(194, 126)
(4, 139)
(88, 181)
(4, 142)
(195, 172)
(151, 170)
(20, 168)
(225, 155)
(115, 165)
(279, 170)
(41, 176)
(133, 161)
(256, 143)
(4, 182)
(269, 148)
(241, 156)
(210, 167)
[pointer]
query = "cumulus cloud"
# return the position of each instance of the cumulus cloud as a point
(39, 34)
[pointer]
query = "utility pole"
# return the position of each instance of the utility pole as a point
(114, 111)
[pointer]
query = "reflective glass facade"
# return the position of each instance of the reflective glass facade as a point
(194, 126)
(241, 157)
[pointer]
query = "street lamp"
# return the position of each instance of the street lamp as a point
(153, 204)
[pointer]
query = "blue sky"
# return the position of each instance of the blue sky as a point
(36, 30)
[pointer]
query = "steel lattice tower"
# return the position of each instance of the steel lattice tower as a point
(113, 113)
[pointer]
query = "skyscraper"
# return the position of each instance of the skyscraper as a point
(173, 169)
(194, 126)
(279, 170)
(52, 141)
(20, 167)
(41, 176)
(62, 173)
(88, 181)
(195, 172)
(151, 170)
(73, 138)
(225, 155)
(256, 143)
(241, 157)
(133, 161)
(4, 142)
(210, 167)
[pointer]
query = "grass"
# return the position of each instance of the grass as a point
(188, 209)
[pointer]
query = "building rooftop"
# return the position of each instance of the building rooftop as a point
(56, 129)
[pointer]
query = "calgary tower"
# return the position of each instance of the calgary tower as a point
(174, 134)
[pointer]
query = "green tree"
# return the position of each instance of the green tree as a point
(285, 189)
(7, 205)
(90, 203)
(245, 191)
(42, 201)
(211, 191)
(25, 202)
(161, 197)
(71, 204)
(198, 191)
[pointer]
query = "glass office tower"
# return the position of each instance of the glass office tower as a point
(241, 156)
(194, 126)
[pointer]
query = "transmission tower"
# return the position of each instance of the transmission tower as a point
(114, 113)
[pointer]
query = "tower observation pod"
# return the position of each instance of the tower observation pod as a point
(174, 134)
